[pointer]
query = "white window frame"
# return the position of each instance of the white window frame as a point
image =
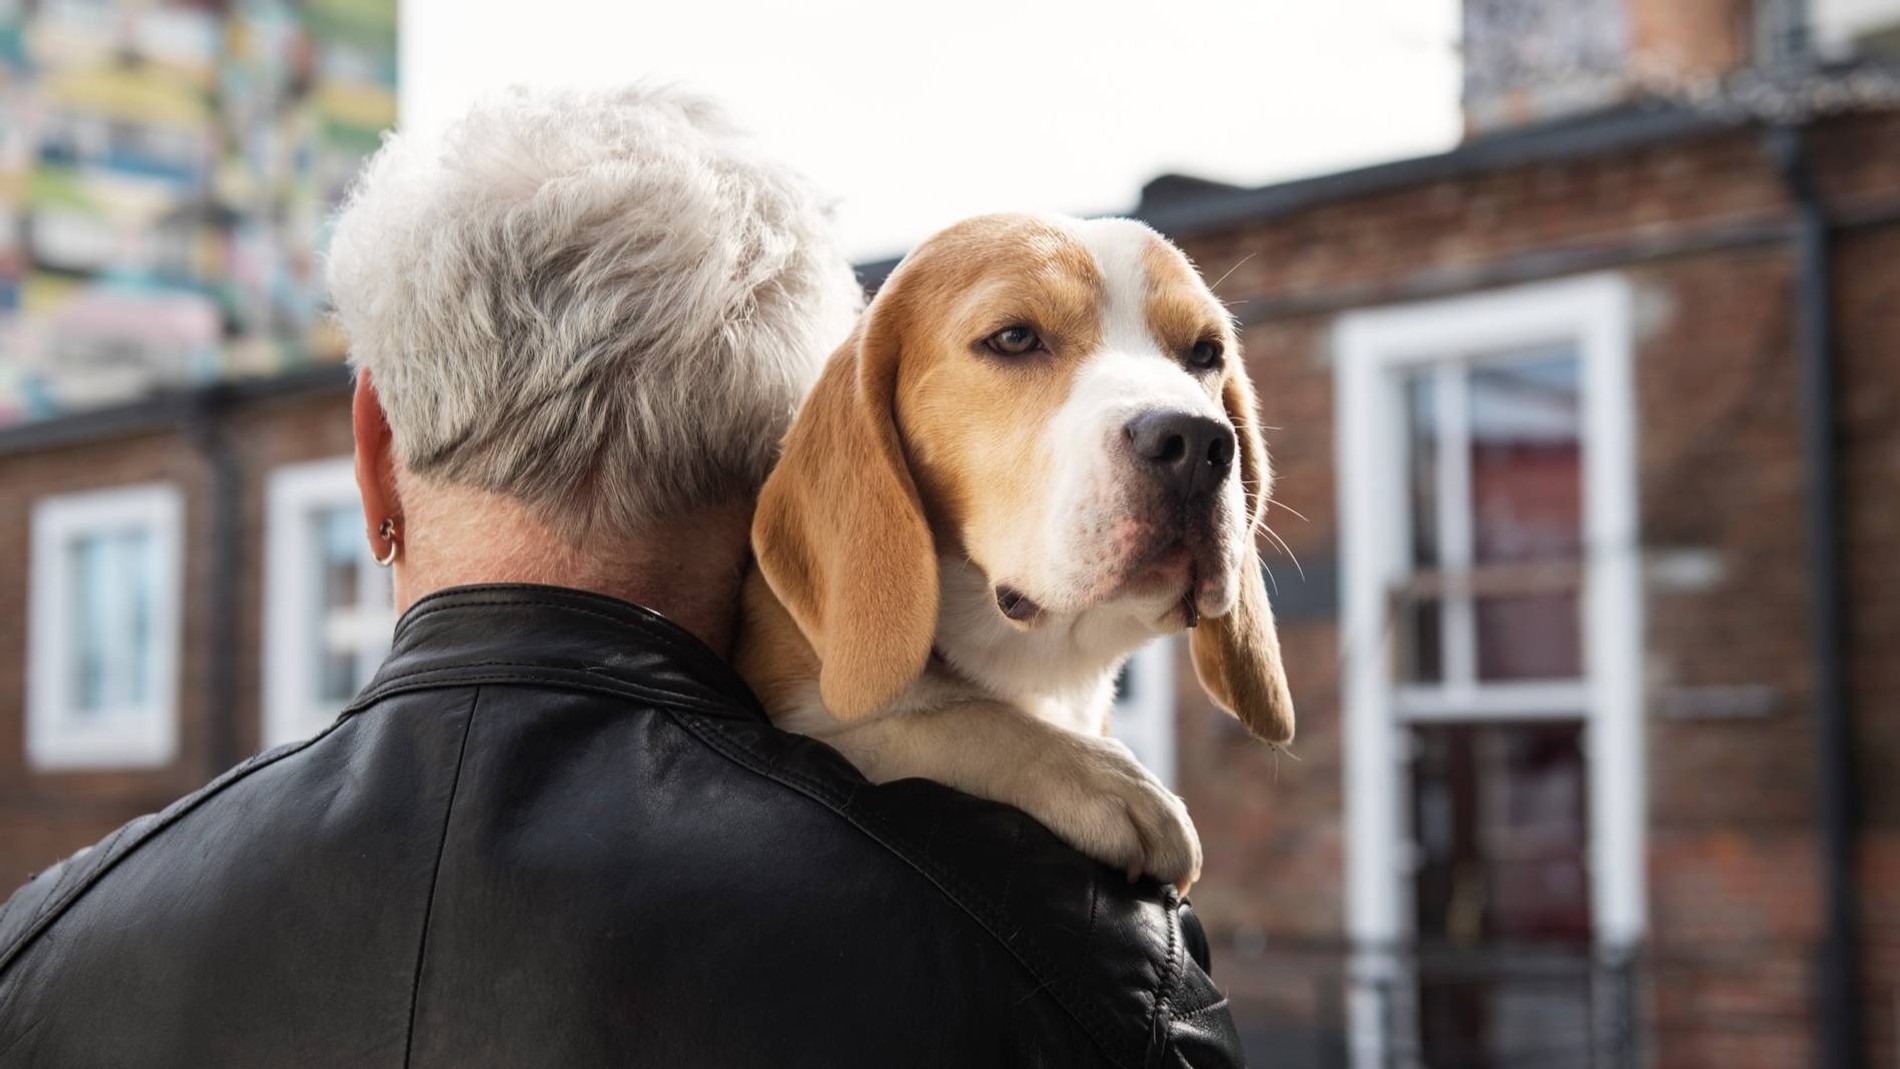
(1594, 314)
(141, 737)
(1460, 694)
(1144, 718)
(295, 490)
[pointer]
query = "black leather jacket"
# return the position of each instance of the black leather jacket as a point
(557, 830)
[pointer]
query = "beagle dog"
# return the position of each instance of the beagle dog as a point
(1036, 452)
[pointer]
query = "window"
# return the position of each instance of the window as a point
(1501, 903)
(1488, 608)
(329, 606)
(102, 661)
(1493, 643)
(1143, 714)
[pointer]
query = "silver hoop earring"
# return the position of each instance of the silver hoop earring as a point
(387, 532)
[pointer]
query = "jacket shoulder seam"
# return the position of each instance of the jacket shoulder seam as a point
(1160, 1022)
(1217, 1004)
(453, 677)
(435, 876)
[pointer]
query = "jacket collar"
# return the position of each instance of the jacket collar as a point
(552, 636)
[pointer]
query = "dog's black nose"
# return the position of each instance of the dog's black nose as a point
(1188, 453)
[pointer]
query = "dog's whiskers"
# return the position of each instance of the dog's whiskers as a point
(1284, 548)
(1237, 266)
(1283, 505)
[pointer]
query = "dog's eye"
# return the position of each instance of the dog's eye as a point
(1013, 341)
(1205, 356)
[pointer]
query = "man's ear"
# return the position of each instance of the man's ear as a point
(840, 533)
(1237, 655)
(375, 462)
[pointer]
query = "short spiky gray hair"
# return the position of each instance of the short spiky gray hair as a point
(604, 305)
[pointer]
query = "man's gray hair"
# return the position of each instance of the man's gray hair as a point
(605, 305)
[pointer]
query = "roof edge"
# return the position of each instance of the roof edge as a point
(171, 408)
(1620, 129)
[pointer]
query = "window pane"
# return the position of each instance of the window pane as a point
(1499, 819)
(1422, 430)
(1501, 895)
(114, 575)
(1422, 640)
(1527, 507)
(340, 614)
(1422, 622)
(1530, 637)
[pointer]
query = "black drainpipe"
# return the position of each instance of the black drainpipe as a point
(222, 575)
(1840, 967)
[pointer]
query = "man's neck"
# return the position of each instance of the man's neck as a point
(690, 571)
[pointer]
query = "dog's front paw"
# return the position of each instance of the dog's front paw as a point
(1097, 798)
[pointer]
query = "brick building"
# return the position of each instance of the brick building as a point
(1589, 772)
(1592, 767)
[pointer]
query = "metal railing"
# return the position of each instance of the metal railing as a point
(1497, 1006)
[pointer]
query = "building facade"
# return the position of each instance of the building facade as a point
(1593, 766)
(1542, 424)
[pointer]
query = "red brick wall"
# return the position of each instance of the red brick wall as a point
(1674, 41)
(1869, 341)
(1733, 851)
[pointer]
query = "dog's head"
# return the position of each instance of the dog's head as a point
(1063, 405)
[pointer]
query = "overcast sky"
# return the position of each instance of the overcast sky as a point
(915, 116)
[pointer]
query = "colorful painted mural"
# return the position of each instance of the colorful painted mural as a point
(166, 170)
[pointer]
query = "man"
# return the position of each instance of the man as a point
(556, 829)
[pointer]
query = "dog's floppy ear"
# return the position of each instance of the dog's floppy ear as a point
(1237, 655)
(840, 534)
